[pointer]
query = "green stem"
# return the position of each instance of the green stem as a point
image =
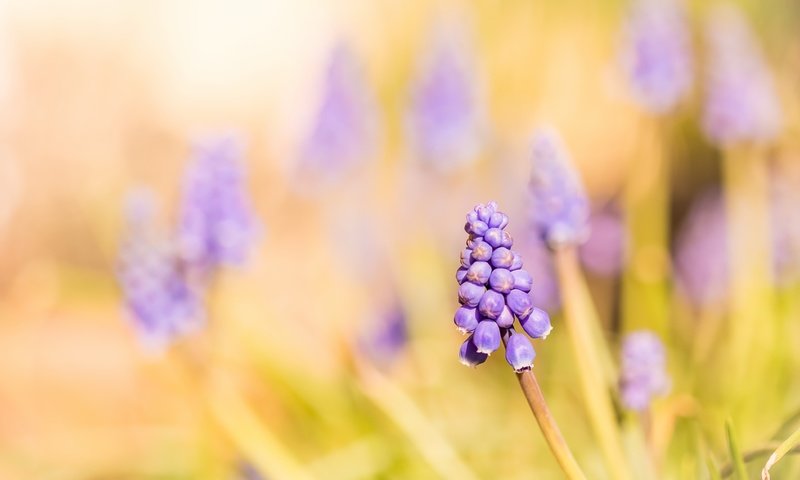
(750, 455)
(578, 318)
(548, 426)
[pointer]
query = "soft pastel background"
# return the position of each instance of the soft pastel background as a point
(97, 97)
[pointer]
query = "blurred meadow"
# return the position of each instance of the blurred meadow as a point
(229, 236)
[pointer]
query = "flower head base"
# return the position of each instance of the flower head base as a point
(217, 225)
(657, 55)
(560, 209)
(446, 116)
(741, 104)
(494, 292)
(344, 133)
(643, 370)
(162, 304)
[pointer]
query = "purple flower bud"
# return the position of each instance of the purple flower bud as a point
(485, 212)
(473, 241)
(559, 206)
(519, 302)
(491, 304)
(519, 353)
(469, 354)
(741, 104)
(494, 237)
(486, 337)
(217, 225)
(478, 273)
(470, 294)
(642, 370)
(478, 228)
(516, 262)
(507, 241)
(501, 280)
(466, 319)
(482, 252)
(657, 55)
(466, 257)
(498, 220)
(461, 273)
(502, 258)
(522, 280)
(472, 217)
(537, 325)
(505, 319)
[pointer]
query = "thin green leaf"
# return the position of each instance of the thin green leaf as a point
(739, 469)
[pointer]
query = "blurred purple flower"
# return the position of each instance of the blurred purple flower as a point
(216, 225)
(493, 292)
(785, 231)
(701, 258)
(161, 303)
(389, 336)
(446, 118)
(559, 208)
(344, 132)
(642, 370)
(741, 104)
(657, 54)
(540, 263)
(604, 251)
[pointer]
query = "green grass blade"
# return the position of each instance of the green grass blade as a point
(739, 469)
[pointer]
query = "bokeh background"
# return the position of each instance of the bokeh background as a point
(98, 98)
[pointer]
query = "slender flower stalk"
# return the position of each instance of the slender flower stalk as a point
(547, 424)
(495, 292)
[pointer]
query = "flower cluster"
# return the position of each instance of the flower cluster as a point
(657, 55)
(494, 291)
(447, 114)
(161, 301)
(560, 209)
(164, 278)
(643, 370)
(741, 104)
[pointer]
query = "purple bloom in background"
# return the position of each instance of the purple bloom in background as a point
(785, 230)
(217, 225)
(603, 253)
(642, 370)
(344, 132)
(559, 208)
(546, 293)
(701, 257)
(161, 302)
(657, 54)
(446, 117)
(741, 104)
(494, 292)
(389, 337)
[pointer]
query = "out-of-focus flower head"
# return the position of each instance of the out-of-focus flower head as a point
(741, 103)
(344, 133)
(216, 224)
(559, 208)
(785, 231)
(642, 370)
(701, 257)
(604, 250)
(446, 118)
(540, 264)
(657, 54)
(494, 292)
(160, 301)
(388, 337)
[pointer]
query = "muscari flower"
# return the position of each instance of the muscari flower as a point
(388, 337)
(701, 256)
(216, 223)
(559, 209)
(446, 117)
(344, 132)
(657, 54)
(642, 370)
(494, 292)
(741, 104)
(160, 301)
